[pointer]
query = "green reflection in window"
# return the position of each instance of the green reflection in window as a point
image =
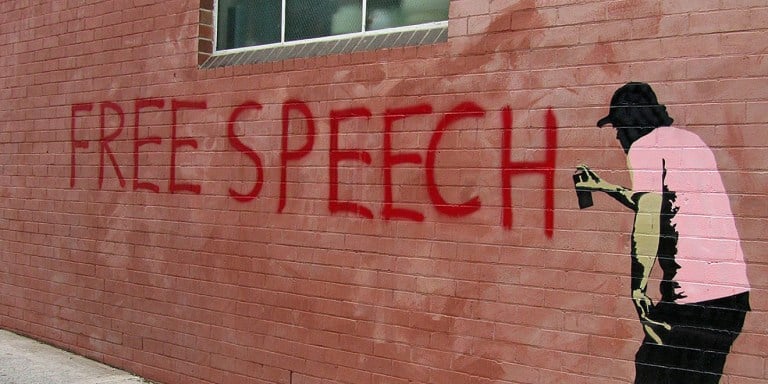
(243, 23)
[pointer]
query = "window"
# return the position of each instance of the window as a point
(270, 23)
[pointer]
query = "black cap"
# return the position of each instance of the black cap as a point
(631, 94)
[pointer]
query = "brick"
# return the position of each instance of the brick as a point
(187, 287)
(462, 8)
(746, 366)
(706, 5)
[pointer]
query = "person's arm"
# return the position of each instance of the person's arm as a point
(645, 246)
(592, 182)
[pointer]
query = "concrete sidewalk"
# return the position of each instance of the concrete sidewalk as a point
(26, 361)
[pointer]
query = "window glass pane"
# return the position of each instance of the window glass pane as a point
(382, 14)
(423, 11)
(305, 19)
(243, 23)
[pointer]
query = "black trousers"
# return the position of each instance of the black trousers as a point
(696, 347)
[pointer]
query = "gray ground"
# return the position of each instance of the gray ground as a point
(25, 361)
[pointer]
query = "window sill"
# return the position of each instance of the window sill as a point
(362, 42)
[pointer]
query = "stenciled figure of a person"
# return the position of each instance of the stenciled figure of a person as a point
(684, 224)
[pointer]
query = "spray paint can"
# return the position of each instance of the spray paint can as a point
(583, 195)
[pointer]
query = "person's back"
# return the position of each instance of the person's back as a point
(701, 235)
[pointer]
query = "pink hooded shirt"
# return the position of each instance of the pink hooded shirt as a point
(709, 253)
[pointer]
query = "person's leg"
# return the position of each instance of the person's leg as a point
(650, 363)
(677, 363)
(696, 348)
(710, 331)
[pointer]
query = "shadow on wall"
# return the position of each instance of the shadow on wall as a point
(512, 30)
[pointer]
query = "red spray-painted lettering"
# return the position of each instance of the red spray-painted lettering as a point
(297, 110)
(238, 144)
(285, 154)
(140, 142)
(390, 160)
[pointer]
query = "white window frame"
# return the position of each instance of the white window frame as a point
(283, 43)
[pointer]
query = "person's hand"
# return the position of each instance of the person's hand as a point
(589, 180)
(652, 328)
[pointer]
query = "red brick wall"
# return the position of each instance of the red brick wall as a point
(163, 272)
